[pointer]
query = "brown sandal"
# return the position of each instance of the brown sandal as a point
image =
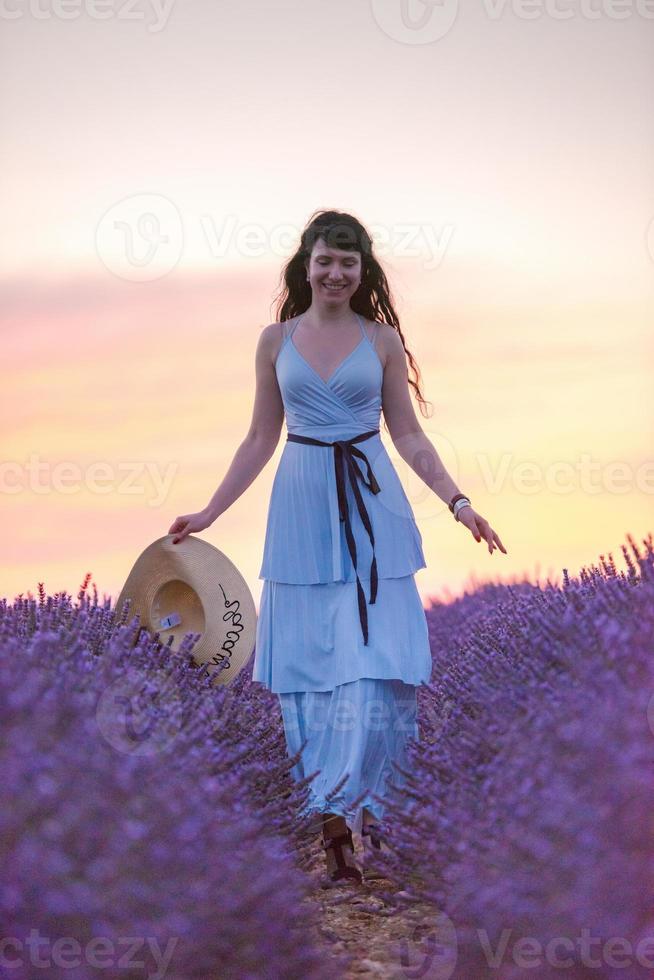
(342, 870)
(373, 831)
(372, 844)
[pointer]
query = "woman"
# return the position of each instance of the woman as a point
(341, 634)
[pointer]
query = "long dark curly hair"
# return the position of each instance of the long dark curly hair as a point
(372, 299)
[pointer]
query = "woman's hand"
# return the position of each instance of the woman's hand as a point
(480, 528)
(188, 523)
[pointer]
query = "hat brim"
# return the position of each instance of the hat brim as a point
(219, 600)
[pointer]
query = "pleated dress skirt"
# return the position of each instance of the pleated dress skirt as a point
(349, 704)
(356, 726)
(355, 736)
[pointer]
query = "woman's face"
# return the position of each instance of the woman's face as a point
(334, 273)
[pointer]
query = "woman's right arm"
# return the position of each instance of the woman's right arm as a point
(257, 447)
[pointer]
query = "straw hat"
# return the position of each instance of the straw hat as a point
(192, 587)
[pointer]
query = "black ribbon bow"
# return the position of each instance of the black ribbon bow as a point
(344, 453)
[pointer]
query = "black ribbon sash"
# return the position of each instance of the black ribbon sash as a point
(344, 453)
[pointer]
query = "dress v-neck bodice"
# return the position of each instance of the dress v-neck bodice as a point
(339, 602)
(305, 539)
(347, 357)
(348, 402)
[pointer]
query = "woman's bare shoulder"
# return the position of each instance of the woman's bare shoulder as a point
(379, 333)
(271, 339)
(379, 325)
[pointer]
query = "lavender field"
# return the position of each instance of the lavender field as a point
(151, 827)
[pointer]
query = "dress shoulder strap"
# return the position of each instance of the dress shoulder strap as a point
(286, 333)
(364, 331)
(375, 330)
(289, 333)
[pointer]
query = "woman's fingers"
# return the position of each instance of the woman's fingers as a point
(481, 529)
(493, 540)
(468, 517)
(178, 527)
(484, 529)
(490, 536)
(499, 543)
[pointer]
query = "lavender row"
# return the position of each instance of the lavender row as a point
(150, 824)
(526, 822)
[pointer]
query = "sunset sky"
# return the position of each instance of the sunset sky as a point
(158, 170)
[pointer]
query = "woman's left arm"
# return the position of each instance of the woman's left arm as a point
(413, 445)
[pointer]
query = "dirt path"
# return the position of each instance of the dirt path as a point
(357, 922)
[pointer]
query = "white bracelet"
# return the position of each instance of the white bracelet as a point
(459, 505)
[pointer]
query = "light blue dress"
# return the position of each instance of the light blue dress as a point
(335, 641)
